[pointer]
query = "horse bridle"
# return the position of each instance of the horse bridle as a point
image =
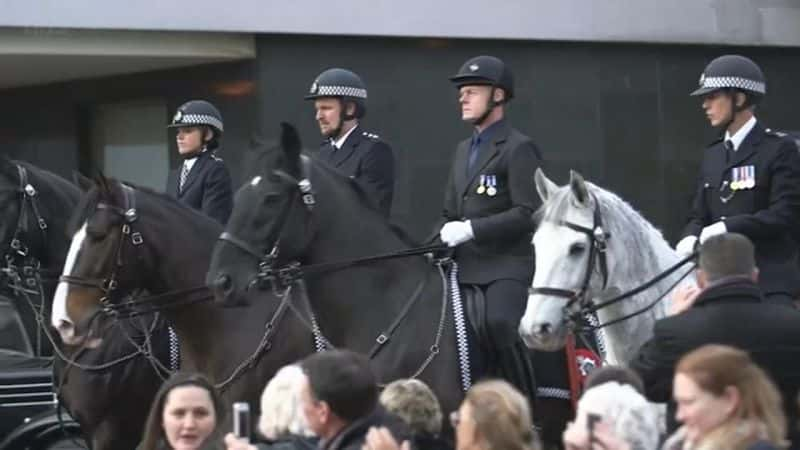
(268, 269)
(18, 255)
(129, 216)
(598, 244)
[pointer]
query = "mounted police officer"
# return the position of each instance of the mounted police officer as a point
(750, 177)
(489, 202)
(203, 181)
(340, 99)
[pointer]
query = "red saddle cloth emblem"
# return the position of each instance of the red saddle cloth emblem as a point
(587, 361)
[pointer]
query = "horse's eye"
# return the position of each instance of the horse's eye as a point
(577, 249)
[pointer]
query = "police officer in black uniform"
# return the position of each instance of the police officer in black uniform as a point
(340, 98)
(489, 202)
(202, 181)
(750, 177)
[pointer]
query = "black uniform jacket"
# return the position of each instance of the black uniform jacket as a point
(502, 223)
(767, 213)
(368, 160)
(730, 312)
(207, 189)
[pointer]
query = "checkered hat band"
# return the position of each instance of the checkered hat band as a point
(341, 91)
(200, 119)
(735, 82)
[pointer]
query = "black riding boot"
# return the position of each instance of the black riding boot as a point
(514, 365)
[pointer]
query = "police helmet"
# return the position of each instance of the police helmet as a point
(733, 72)
(485, 70)
(340, 83)
(196, 113)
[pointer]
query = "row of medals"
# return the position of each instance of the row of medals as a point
(487, 186)
(745, 178)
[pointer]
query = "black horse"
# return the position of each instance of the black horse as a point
(35, 205)
(131, 239)
(395, 309)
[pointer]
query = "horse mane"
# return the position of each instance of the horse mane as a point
(267, 156)
(88, 203)
(620, 219)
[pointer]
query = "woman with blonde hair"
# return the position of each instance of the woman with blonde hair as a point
(493, 416)
(725, 401)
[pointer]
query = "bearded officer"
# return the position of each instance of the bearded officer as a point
(750, 177)
(340, 97)
(489, 202)
(202, 181)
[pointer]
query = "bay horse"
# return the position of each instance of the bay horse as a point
(128, 239)
(591, 245)
(36, 206)
(362, 284)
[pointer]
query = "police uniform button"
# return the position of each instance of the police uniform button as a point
(707, 185)
(722, 217)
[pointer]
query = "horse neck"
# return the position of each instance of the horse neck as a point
(375, 289)
(179, 244)
(642, 256)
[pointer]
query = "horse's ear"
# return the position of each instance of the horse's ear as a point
(578, 187)
(83, 182)
(102, 182)
(544, 186)
(291, 145)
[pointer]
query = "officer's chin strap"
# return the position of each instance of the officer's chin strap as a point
(735, 109)
(343, 117)
(491, 104)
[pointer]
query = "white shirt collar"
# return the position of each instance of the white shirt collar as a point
(739, 136)
(337, 144)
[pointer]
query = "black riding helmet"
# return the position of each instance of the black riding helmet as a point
(199, 113)
(344, 85)
(486, 71)
(733, 73)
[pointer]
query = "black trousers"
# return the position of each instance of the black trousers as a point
(505, 305)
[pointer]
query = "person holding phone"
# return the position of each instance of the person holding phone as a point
(613, 416)
(185, 415)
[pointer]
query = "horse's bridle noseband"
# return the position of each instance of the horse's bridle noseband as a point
(598, 244)
(129, 216)
(268, 270)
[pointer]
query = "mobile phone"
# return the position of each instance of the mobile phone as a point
(591, 420)
(241, 420)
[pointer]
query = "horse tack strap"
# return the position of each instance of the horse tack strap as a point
(386, 335)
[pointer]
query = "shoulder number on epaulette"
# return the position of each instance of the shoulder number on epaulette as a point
(776, 133)
(370, 135)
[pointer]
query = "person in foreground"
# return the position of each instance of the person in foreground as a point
(493, 416)
(185, 415)
(727, 307)
(613, 416)
(725, 401)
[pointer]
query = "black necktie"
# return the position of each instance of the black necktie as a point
(474, 148)
(729, 151)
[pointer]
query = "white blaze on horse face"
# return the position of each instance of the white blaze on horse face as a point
(542, 326)
(59, 315)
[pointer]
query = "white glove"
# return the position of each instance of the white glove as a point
(713, 230)
(686, 246)
(456, 233)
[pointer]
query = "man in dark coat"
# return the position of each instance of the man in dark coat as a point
(340, 400)
(203, 181)
(489, 202)
(340, 97)
(729, 309)
(750, 179)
